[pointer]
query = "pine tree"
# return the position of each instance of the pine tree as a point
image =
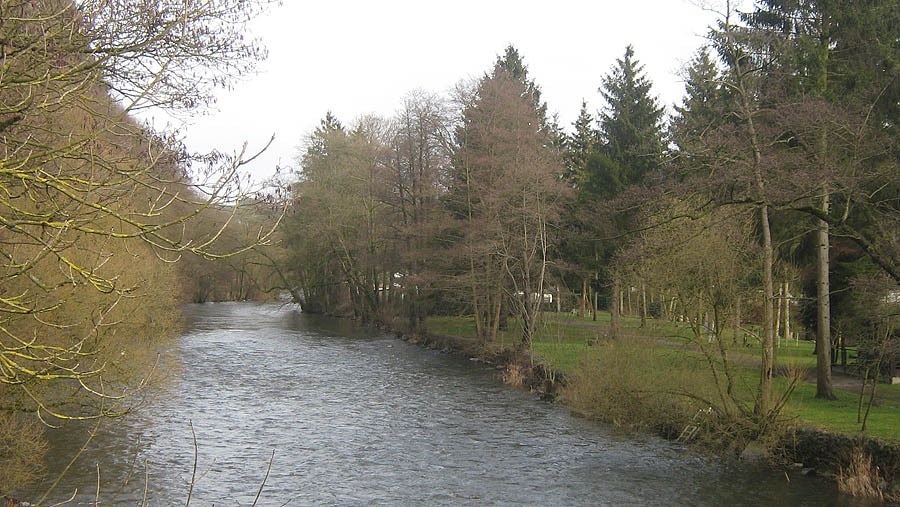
(580, 145)
(630, 124)
(603, 161)
(702, 109)
(317, 144)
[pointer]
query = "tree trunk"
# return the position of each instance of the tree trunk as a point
(824, 389)
(643, 303)
(778, 304)
(614, 307)
(767, 364)
(498, 316)
(628, 299)
(479, 312)
(787, 310)
(585, 297)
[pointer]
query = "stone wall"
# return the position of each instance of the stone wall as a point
(829, 453)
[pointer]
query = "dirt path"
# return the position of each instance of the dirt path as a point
(853, 384)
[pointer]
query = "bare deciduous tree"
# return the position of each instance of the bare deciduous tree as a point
(506, 191)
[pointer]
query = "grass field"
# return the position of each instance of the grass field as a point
(564, 340)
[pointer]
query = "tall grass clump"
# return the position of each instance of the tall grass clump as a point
(861, 478)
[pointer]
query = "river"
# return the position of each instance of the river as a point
(340, 416)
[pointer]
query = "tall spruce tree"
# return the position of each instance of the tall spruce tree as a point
(631, 124)
(631, 148)
(701, 110)
(579, 246)
(580, 146)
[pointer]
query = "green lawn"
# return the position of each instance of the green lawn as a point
(451, 326)
(563, 340)
(841, 415)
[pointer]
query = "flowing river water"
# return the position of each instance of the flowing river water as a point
(339, 416)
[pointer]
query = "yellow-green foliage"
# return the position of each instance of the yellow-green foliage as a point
(104, 338)
(635, 385)
(85, 296)
(95, 208)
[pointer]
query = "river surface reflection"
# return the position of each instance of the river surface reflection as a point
(351, 417)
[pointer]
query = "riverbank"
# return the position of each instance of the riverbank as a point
(517, 368)
(863, 465)
(843, 457)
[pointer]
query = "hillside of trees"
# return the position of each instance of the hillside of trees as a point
(767, 201)
(105, 224)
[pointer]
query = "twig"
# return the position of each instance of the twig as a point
(268, 469)
(194, 470)
(146, 485)
(97, 493)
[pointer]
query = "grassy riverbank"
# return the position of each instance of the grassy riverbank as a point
(663, 357)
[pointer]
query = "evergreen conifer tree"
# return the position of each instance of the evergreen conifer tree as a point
(631, 124)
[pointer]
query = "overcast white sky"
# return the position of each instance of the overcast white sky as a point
(355, 57)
